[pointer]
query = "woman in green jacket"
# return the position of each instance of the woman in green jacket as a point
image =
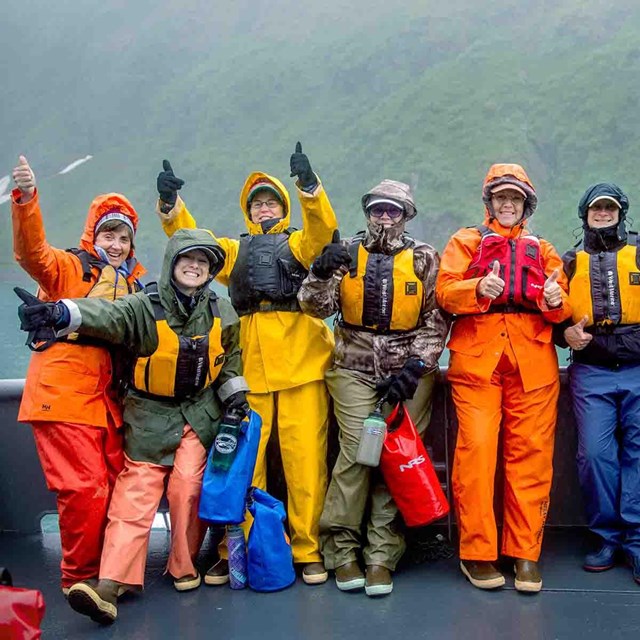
(188, 370)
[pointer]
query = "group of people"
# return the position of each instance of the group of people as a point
(127, 385)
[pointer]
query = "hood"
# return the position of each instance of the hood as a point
(508, 174)
(102, 204)
(180, 241)
(394, 190)
(254, 228)
(607, 238)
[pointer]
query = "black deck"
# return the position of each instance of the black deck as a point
(431, 600)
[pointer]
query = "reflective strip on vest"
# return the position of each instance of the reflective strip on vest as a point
(606, 287)
(384, 294)
(181, 365)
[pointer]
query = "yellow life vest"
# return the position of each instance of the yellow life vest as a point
(606, 287)
(381, 293)
(181, 365)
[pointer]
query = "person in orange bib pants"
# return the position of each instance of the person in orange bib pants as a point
(506, 287)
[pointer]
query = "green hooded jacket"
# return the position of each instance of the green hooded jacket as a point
(153, 427)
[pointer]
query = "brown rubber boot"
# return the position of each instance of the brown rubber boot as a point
(98, 602)
(187, 583)
(218, 574)
(314, 573)
(349, 577)
(482, 574)
(528, 578)
(378, 582)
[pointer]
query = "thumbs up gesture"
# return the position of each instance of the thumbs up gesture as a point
(492, 285)
(25, 179)
(301, 167)
(552, 290)
(168, 184)
(333, 257)
(577, 338)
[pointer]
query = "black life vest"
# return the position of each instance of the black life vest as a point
(266, 275)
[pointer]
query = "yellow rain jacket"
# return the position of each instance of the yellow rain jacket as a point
(280, 349)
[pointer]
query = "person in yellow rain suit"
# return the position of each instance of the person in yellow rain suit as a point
(285, 352)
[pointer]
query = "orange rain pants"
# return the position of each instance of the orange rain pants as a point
(80, 464)
(528, 428)
(135, 501)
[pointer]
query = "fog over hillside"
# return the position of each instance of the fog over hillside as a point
(427, 92)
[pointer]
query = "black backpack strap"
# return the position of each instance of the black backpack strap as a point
(213, 304)
(632, 238)
(353, 248)
(88, 262)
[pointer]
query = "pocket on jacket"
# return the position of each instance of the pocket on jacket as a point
(65, 378)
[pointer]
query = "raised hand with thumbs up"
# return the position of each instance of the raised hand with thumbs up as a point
(492, 285)
(577, 338)
(552, 290)
(301, 167)
(333, 256)
(168, 184)
(25, 179)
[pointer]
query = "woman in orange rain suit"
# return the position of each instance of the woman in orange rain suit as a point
(69, 398)
(506, 287)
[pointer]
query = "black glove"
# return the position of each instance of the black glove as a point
(402, 386)
(168, 184)
(333, 256)
(301, 167)
(35, 314)
(236, 405)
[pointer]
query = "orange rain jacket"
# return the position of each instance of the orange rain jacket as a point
(478, 338)
(68, 382)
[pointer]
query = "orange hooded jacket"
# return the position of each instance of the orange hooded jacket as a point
(68, 382)
(478, 338)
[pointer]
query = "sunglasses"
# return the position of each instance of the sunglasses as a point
(378, 210)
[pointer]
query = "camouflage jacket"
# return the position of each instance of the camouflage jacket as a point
(381, 354)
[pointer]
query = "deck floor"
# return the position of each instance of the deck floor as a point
(431, 600)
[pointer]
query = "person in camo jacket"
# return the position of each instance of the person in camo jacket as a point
(389, 336)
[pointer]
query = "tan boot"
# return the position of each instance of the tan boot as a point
(378, 582)
(187, 583)
(99, 602)
(314, 573)
(482, 574)
(349, 577)
(218, 574)
(528, 578)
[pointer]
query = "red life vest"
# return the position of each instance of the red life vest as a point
(520, 267)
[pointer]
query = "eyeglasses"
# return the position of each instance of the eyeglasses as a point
(501, 198)
(378, 210)
(256, 205)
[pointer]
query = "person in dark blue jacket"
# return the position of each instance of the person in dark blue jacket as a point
(604, 336)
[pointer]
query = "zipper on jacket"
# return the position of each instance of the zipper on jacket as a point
(512, 275)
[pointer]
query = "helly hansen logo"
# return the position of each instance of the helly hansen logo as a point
(412, 463)
(634, 278)
(45, 407)
(410, 288)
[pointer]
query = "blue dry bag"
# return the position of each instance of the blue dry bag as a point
(223, 497)
(269, 557)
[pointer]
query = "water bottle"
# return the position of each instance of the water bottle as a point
(374, 430)
(237, 557)
(225, 446)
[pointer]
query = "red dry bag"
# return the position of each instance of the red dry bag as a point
(21, 611)
(409, 474)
